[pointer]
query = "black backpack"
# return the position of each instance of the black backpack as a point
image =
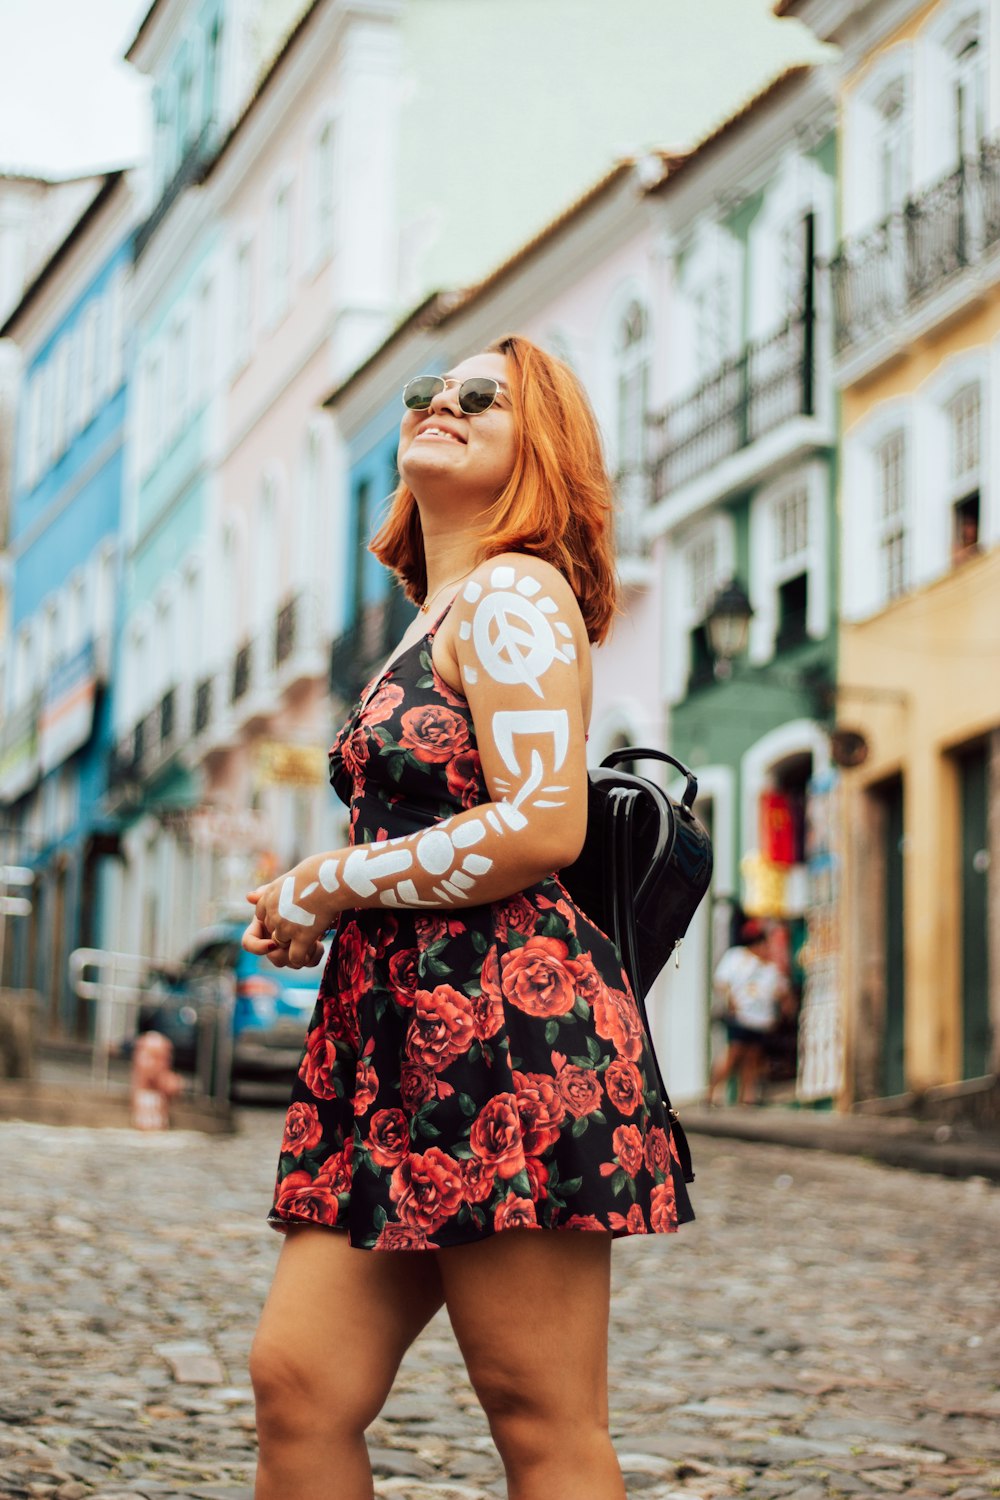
(643, 871)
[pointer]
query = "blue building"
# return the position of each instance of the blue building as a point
(63, 590)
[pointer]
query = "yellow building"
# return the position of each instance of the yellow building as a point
(915, 288)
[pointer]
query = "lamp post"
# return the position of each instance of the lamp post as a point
(727, 626)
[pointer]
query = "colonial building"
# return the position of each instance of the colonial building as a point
(741, 472)
(69, 328)
(916, 296)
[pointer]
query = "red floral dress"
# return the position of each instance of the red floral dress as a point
(466, 1071)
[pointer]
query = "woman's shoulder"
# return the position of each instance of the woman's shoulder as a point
(525, 576)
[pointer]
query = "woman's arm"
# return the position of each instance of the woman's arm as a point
(513, 631)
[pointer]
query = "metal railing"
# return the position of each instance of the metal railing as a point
(934, 238)
(767, 384)
(191, 170)
(121, 985)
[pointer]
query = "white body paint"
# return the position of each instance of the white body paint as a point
(516, 644)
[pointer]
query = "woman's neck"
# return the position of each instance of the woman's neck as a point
(450, 555)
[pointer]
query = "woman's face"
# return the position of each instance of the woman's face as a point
(443, 446)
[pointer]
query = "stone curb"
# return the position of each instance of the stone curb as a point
(895, 1143)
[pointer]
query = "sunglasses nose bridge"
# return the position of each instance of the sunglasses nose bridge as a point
(446, 399)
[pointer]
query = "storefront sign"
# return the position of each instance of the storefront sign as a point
(67, 717)
(281, 764)
(19, 752)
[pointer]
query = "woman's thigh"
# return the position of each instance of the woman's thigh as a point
(337, 1322)
(530, 1311)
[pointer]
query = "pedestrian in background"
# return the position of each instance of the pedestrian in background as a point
(476, 1116)
(754, 994)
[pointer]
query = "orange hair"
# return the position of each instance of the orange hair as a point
(558, 503)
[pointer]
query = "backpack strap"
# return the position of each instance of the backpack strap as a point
(622, 807)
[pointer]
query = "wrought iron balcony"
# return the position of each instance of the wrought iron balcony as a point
(150, 744)
(768, 384)
(881, 276)
(363, 648)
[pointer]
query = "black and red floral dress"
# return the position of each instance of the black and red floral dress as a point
(474, 1070)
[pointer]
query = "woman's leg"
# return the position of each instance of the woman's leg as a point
(530, 1312)
(334, 1328)
(724, 1069)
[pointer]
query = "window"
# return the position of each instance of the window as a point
(154, 410)
(59, 410)
(714, 315)
(701, 581)
(203, 343)
(965, 423)
(970, 85)
(115, 366)
(324, 191)
(243, 305)
(179, 383)
(893, 148)
(88, 362)
(279, 280)
(890, 459)
(633, 388)
(33, 430)
(791, 565)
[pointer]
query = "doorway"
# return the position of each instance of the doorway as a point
(973, 794)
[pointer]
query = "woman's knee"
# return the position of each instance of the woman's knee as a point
(528, 1422)
(294, 1399)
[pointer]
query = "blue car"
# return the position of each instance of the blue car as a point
(272, 1010)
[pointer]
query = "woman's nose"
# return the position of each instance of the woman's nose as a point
(447, 400)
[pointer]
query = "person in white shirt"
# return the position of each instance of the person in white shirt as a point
(755, 994)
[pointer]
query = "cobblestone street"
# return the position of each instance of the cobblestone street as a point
(828, 1327)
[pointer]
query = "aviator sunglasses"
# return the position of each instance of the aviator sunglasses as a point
(475, 395)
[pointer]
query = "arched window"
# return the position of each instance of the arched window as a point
(632, 357)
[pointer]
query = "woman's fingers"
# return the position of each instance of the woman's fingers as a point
(256, 938)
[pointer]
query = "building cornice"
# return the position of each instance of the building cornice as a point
(105, 200)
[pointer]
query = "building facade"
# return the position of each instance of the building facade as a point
(66, 494)
(916, 296)
(741, 476)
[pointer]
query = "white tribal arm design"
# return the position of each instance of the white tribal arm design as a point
(516, 655)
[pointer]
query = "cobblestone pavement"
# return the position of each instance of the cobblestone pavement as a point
(827, 1328)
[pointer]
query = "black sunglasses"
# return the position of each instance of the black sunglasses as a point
(475, 395)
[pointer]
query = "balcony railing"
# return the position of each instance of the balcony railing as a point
(768, 384)
(363, 648)
(883, 275)
(151, 743)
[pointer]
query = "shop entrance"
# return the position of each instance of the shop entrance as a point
(973, 789)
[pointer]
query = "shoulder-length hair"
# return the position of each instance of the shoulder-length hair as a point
(558, 503)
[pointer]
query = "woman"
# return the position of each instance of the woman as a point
(475, 1098)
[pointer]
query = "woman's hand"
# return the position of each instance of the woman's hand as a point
(291, 916)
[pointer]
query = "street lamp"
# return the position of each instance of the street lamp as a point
(727, 626)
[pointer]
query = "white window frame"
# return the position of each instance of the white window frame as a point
(684, 613)
(895, 525)
(936, 397)
(861, 581)
(324, 191)
(115, 305)
(60, 358)
(862, 202)
(768, 572)
(88, 361)
(633, 372)
(243, 306)
(280, 250)
(713, 261)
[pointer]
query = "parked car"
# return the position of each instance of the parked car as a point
(271, 1012)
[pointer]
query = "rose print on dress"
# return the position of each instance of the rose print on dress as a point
(470, 1069)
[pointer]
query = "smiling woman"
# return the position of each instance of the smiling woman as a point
(475, 1066)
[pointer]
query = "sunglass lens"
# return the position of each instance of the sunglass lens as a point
(420, 392)
(477, 394)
